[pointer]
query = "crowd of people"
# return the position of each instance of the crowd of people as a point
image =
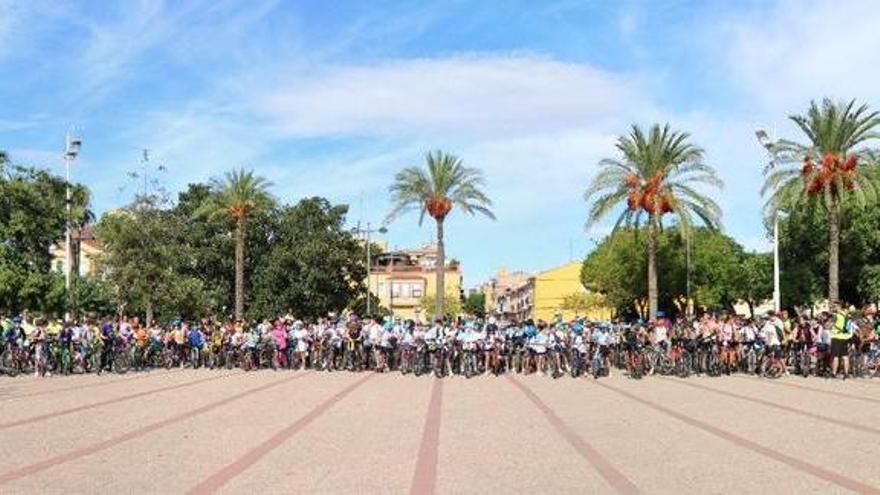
(837, 344)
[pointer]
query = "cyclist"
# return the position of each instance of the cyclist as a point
(279, 335)
(727, 344)
(41, 350)
(538, 345)
(841, 333)
(771, 332)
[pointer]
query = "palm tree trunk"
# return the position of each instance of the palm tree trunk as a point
(239, 268)
(652, 270)
(149, 311)
(834, 251)
(440, 296)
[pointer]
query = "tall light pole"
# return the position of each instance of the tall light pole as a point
(687, 303)
(369, 230)
(777, 292)
(767, 142)
(71, 150)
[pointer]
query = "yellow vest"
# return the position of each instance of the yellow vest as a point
(838, 332)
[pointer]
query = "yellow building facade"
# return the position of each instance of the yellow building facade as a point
(85, 252)
(543, 296)
(403, 280)
(551, 287)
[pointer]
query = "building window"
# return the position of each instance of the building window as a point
(406, 289)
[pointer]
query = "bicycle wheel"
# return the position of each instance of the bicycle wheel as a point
(122, 363)
(9, 364)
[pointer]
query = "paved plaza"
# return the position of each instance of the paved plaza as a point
(201, 431)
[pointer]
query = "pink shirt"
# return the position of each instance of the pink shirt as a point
(280, 337)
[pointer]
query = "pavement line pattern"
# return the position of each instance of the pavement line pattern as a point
(817, 390)
(223, 476)
(614, 477)
(781, 407)
(93, 405)
(80, 387)
(425, 476)
(793, 462)
(73, 455)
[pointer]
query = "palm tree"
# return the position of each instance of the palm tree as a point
(828, 168)
(444, 183)
(237, 198)
(655, 177)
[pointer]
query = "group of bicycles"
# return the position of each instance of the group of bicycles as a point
(770, 347)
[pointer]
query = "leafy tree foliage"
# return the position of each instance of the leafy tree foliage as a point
(721, 272)
(475, 304)
(32, 218)
(176, 261)
(451, 307)
(358, 305)
(804, 255)
(583, 302)
(139, 254)
(313, 265)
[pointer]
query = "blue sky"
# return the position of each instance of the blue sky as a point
(331, 98)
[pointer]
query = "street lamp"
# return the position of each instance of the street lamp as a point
(369, 230)
(71, 150)
(767, 143)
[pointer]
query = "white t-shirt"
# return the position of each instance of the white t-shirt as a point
(768, 331)
(660, 333)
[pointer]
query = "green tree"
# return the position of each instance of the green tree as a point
(754, 279)
(237, 198)
(654, 177)
(475, 304)
(358, 306)
(581, 303)
(869, 283)
(33, 217)
(94, 295)
(444, 183)
(205, 244)
(616, 269)
(451, 306)
(313, 266)
(139, 254)
(804, 253)
(826, 169)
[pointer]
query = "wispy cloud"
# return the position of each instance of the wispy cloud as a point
(788, 52)
(475, 95)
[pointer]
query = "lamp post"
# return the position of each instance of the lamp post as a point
(367, 231)
(687, 302)
(71, 150)
(767, 143)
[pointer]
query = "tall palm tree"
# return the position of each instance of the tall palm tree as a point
(237, 198)
(443, 183)
(828, 168)
(655, 177)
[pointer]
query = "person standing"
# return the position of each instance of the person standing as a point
(841, 332)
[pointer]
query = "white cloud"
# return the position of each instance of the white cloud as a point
(474, 95)
(793, 51)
